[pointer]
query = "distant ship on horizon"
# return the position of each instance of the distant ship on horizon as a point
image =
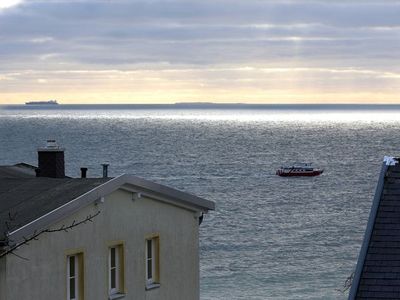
(49, 102)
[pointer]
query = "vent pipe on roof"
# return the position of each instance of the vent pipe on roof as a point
(51, 161)
(105, 170)
(83, 172)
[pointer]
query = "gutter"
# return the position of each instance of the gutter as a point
(388, 161)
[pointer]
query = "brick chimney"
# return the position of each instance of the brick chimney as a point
(51, 161)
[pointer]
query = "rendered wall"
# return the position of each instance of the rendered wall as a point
(121, 219)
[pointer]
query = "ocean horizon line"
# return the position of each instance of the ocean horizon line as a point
(208, 105)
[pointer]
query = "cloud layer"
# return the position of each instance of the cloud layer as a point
(220, 50)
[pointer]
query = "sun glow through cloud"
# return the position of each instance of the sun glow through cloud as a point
(9, 3)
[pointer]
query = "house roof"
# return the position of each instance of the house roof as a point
(25, 197)
(29, 204)
(377, 273)
(20, 170)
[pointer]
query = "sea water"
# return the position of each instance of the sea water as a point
(269, 237)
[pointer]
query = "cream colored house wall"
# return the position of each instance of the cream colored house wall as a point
(43, 276)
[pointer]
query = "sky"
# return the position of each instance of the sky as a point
(167, 51)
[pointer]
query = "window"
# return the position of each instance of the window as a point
(116, 270)
(152, 262)
(75, 276)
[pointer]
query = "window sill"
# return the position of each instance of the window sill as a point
(152, 286)
(116, 296)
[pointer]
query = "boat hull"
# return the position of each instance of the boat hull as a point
(296, 173)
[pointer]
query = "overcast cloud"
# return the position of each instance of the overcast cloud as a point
(195, 49)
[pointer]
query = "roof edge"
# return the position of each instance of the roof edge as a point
(370, 226)
(174, 194)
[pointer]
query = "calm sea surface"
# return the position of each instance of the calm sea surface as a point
(270, 237)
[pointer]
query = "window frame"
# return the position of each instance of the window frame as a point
(117, 268)
(150, 259)
(113, 251)
(152, 256)
(78, 276)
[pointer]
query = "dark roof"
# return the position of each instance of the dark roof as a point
(25, 199)
(377, 274)
(20, 170)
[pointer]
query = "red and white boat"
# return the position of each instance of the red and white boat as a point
(299, 169)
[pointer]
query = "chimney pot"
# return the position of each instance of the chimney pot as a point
(105, 170)
(52, 144)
